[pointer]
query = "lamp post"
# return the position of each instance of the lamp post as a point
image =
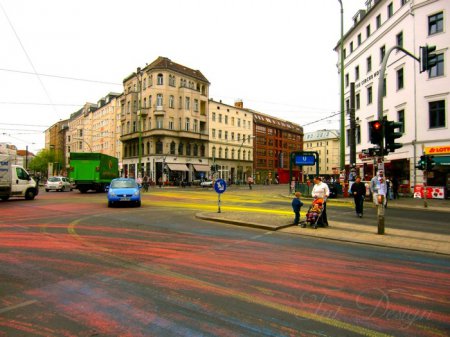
(342, 131)
(139, 115)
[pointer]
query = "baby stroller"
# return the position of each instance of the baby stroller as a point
(314, 214)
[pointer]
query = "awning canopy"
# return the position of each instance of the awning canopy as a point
(442, 160)
(178, 167)
(202, 168)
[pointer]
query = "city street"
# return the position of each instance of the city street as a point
(71, 266)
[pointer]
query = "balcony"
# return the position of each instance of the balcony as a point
(159, 110)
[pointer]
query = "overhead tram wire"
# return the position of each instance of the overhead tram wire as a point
(60, 77)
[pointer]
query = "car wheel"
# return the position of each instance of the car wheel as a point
(46, 190)
(138, 203)
(30, 194)
(110, 204)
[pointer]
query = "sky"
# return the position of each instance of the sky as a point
(276, 55)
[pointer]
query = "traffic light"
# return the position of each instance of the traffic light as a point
(427, 58)
(430, 163)
(375, 132)
(422, 163)
(390, 135)
(213, 168)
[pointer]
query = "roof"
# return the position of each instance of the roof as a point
(164, 63)
(260, 118)
(321, 135)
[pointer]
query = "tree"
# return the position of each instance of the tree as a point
(40, 162)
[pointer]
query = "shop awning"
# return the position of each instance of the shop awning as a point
(442, 160)
(178, 167)
(202, 168)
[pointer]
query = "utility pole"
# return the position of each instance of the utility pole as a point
(342, 130)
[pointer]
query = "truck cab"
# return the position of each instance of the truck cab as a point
(18, 184)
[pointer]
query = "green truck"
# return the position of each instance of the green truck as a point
(92, 171)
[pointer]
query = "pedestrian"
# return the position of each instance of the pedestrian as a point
(358, 191)
(145, 183)
(296, 206)
(378, 188)
(322, 191)
(250, 182)
(160, 182)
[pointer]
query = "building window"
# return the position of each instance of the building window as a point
(399, 39)
(213, 117)
(356, 73)
(347, 106)
(390, 10)
(357, 134)
(400, 83)
(180, 149)
(438, 68)
(359, 39)
(345, 53)
(172, 147)
(436, 23)
(437, 114)
(382, 53)
(220, 118)
(172, 80)
(186, 124)
(401, 119)
(351, 47)
(187, 103)
(226, 119)
(378, 21)
(220, 134)
(159, 122)
(159, 79)
(214, 133)
(347, 80)
(403, 2)
(196, 105)
(195, 125)
(171, 101)
(369, 64)
(368, 30)
(171, 123)
(159, 100)
(369, 95)
(358, 101)
(226, 134)
(159, 147)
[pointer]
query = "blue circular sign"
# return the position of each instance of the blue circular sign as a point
(220, 186)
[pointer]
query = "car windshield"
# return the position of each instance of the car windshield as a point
(123, 184)
(54, 179)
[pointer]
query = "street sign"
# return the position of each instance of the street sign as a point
(220, 186)
(305, 160)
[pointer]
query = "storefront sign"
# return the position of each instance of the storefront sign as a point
(432, 150)
(433, 192)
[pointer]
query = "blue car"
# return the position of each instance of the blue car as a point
(124, 191)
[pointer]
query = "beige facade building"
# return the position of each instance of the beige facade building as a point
(327, 144)
(165, 109)
(231, 140)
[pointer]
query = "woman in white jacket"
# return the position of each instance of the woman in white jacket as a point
(321, 190)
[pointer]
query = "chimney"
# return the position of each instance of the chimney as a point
(239, 104)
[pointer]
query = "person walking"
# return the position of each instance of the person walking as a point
(321, 190)
(250, 182)
(378, 188)
(358, 191)
(296, 206)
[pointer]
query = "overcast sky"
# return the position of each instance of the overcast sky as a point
(275, 55)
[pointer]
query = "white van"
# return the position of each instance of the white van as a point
(15, 181)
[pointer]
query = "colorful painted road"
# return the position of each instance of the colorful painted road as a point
(70, 266)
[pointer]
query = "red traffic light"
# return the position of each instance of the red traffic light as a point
(376, 125)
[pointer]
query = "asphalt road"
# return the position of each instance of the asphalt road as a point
(73, 267)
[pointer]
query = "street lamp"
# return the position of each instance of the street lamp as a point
(85, 142)
(341, 47)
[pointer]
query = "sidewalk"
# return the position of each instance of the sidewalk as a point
(361, 234)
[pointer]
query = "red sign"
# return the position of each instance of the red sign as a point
(433, 192)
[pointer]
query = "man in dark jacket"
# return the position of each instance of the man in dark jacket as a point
(296, 206)
(358, 190)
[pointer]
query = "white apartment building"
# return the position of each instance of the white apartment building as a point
(231, 140)
(419, 100)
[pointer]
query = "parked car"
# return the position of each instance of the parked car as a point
(206, 183)
(57, 184)
(124, 191)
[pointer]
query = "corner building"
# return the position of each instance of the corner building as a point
(418, 100)
(165, 112)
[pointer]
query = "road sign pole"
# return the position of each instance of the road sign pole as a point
(218, 203)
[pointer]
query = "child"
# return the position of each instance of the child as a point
(296, 206)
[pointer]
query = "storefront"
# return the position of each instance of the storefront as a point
(440, 174)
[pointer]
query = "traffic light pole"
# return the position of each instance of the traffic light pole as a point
(380, 206)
